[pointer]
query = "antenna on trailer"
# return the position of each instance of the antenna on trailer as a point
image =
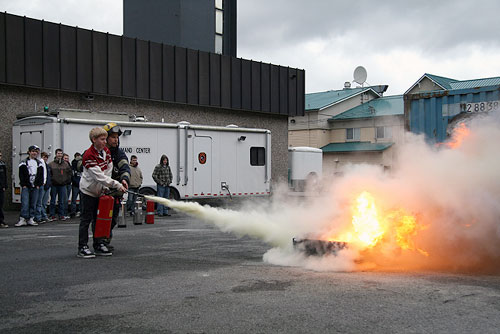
(360, 78)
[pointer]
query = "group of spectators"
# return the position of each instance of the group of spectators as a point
(102, 169)
(39, 178)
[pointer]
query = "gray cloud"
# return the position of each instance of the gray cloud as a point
(397, 41)
(430, 26)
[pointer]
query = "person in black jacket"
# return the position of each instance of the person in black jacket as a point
(3, 187)
(121, 171)
(30, 179)
(75, 184)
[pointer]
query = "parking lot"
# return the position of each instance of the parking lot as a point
(180, 275)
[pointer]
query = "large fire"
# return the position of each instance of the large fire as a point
(372, 227)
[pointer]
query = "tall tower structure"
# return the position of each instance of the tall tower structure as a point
(207, 25)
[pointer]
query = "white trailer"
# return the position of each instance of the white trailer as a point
(305, 167)
(206, 161)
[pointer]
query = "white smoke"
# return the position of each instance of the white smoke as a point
(455, 193)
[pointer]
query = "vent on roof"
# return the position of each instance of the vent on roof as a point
(347, 85)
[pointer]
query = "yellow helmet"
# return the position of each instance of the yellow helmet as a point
(112, 127)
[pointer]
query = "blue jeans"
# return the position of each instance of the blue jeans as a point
(164, 192)
(29, 197)
(74, 194)
(41, 205)
(60, 193)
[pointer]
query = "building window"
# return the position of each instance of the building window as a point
(383, 132)
(352, 134)
(219, 26)
(257, 156)
(219, 19)
(218, 44)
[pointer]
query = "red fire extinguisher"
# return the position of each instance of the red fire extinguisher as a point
(150, 212)
(104, 217)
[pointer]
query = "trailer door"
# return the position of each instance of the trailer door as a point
(202, 174)
(29, 138)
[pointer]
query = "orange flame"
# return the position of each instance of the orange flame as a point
(459, 134)
(372, 227)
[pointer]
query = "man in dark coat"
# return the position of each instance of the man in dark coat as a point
(121, 171)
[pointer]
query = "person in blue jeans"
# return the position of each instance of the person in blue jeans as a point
(61, 176)
(30, 180)
(162, 175)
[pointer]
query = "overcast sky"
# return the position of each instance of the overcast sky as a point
(396, 41)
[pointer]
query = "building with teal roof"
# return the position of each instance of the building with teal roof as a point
(361, 126)
(434, 105)
(366, 134)
(312, 128)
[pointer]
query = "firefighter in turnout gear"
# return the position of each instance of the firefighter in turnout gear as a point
(121, 170)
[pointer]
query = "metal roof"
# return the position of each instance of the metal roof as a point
(441, 81)
(321, 100)
(383, 106)
(355, 147)
(451, 84)
(465, 84)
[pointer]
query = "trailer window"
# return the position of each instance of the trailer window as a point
(257, 156)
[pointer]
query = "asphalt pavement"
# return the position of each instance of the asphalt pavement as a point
(180, 275)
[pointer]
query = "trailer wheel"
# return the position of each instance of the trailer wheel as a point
(174, 194)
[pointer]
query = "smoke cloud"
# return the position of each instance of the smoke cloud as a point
(454, 194)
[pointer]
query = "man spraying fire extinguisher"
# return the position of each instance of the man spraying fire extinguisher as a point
(121, 171)
(95, 181)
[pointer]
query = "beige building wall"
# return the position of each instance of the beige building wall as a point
(337, 136)
(426, 85)
(367, 134)
(318, 120)
(311, 138)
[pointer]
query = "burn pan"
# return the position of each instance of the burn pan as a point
(318, 247)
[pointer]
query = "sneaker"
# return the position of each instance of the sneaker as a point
(31, 222)
(4, 225)
(21, 222)
(44, 220)
(62, 218)
(110, 247)
(85, 253)
(53, 218)
(102, 250)
(78, 214)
